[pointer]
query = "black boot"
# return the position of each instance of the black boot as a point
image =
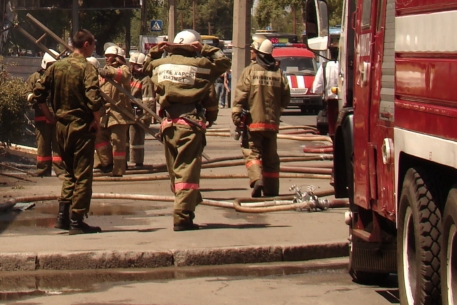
(63, 218)
(257, 189)
(78, 226)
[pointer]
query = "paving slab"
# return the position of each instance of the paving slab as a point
(138, 233)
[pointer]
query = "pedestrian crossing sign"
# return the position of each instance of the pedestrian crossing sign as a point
(156, 26)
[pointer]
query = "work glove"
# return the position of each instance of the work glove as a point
(236, 118)
(104, 72)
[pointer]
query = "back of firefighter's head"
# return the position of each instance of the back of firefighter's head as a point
(187, 37)
(261, 44)
(136, 62)
(48, 59)
(333, 50)
(114, 55)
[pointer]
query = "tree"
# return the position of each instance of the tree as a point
(282, 14)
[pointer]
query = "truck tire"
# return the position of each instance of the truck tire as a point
(418, 241)
(449, 251)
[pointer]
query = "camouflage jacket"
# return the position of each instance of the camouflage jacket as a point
(73, 87)
(264, 93)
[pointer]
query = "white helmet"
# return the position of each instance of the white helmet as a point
(262, 44)
(187, 37)
(47, 58)
(93, 61)
(134, 57)
(114, 50)
(137, 58)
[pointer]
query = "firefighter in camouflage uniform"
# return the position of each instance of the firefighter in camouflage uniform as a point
(142, 88)
(48, 156)
(183, 81)
(72, 83)
(262, 91)
(111, 142)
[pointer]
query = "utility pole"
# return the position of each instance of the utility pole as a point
(194, 12)
(75, 17)
(209, 28)
(171, 19)
(241, 39)
(144, 22)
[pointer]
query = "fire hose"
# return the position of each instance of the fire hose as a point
(279, 203)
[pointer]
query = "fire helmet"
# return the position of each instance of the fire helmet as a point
(137, 58)
(93, 61)
(48, 59)
(114, 50)
(187, 37)
(262, 44)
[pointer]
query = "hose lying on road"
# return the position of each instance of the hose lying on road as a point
(335, 203)
(214, 176)
(263, 205)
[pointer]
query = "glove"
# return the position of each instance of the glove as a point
(236, 117)
(104, 72)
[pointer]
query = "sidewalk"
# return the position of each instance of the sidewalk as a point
(139, 233)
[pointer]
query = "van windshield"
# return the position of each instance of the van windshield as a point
(294, 64)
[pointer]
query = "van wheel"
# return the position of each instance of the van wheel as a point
(418, 242)
(449, 251)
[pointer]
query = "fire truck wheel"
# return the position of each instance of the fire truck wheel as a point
(449, 251)
(418, 241)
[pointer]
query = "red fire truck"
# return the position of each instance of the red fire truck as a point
(395, 144)
(299, 66)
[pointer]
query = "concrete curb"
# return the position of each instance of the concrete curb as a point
(83, 260)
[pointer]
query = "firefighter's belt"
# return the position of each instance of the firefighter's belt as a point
(179, 110)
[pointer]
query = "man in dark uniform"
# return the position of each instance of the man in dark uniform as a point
(183, 81)
(264, 92)
(75, 94)
(48, 156)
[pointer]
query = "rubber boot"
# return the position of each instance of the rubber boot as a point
(183, 221)
(257, 189)
(78, 226)
(63, 218)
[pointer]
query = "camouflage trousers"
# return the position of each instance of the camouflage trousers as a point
(260, 152)
(48, 156)
(76, 145)
(183, 151)
(110, 146)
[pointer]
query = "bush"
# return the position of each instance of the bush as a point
(13, 106)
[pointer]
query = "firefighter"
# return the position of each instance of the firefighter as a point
(94, 61)
(263, 92)
(183, 81)
(48, 156)
(72, 83)
(142, 88)
(110, 144)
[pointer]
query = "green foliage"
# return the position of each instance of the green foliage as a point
(12, 108)
(279, 14)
